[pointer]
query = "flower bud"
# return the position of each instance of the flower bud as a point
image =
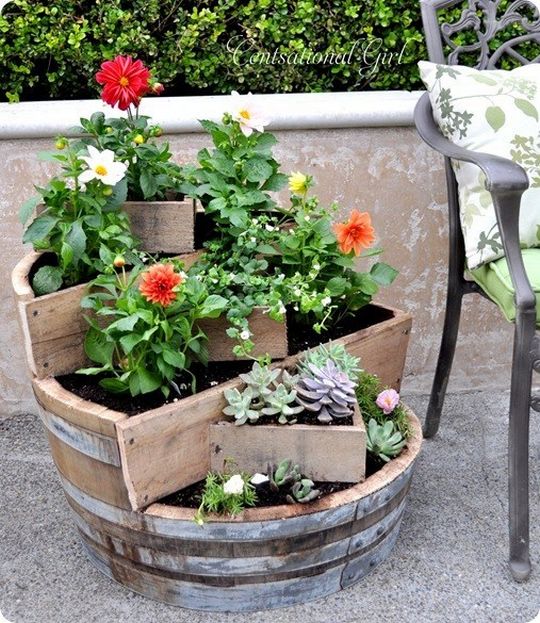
(108, 130)
(156, 131)
(61, 143)
(157, 88)
(119, 261)
(107, 191)
(139, 139)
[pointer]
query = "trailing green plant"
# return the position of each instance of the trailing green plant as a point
(327, 392)
(225, 494)
(284, 474)
(368, 390)
(80, 222)
(144, 331)
(303, 492)
(347, 363)
(384, 440)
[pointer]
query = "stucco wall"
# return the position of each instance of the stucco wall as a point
(387, 171)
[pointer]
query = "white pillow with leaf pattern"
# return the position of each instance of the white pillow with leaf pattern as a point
(495, 112)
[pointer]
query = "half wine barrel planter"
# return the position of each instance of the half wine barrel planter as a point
(264, 558)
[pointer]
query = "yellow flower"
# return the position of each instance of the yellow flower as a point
(298, 183)
(139, 139)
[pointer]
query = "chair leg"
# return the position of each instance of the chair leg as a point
(518, 450)
(444, 364)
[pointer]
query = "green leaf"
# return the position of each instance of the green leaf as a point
(383, 274)
(257, 170)
(128, 342)
(47, 279)
(97, 347)
(148, 381)
(217, 204)
(213, 306)
(40, 228)
(337, 286)
(495, 117)
(148, 184)
(76, 238)
(118, 196)
(275, 182)
(250, 198)
(526, 107)
(27, 208)
(125, 324)
(66, 254)
(115, 386)
(174, 358)
(267, 249)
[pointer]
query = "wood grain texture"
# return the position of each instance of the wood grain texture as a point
(324, 453)
(249, 562)
(163, 226)
(269, 336)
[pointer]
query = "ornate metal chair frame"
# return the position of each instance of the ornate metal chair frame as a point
(506, 181)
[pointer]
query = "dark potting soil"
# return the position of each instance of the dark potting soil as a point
(301, 337)
(190, 497)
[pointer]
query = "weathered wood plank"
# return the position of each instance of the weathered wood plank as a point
(100, 480)
(324, 453)
(94, 445)
(269, 336)
(163, 226)
(52, 397)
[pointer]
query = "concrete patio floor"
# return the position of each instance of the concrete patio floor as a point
(449, 564)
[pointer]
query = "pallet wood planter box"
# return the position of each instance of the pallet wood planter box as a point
(325, 453)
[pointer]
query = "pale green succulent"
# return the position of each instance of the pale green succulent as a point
(282, 475)
(241, 406)
(261, 380)
(282, 402)
(303, 492)
(337, 353)
(383, 440)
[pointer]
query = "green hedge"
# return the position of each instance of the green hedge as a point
(52, 50)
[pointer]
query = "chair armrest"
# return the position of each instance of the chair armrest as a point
(500, 173)
(506, 181)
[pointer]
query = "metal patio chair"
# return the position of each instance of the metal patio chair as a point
(506, 181)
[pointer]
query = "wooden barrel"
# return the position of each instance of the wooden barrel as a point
(265, 558)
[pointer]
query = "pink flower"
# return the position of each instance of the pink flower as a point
(247, 115)
(387, 400)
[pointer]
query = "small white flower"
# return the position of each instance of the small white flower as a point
(258, 479)
(255, 221)
(253, 239)
(246, 113)
(317, 266)
(307, 217)
(295, 308)
(326, 301)
(297, 292)
(269, 228)
(234, 486)
(245, 335)
(103, 167)
(183, 274)
(282, 309)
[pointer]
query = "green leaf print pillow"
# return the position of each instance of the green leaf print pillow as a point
(495, 112)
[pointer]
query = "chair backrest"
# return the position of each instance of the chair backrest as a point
(485, 20)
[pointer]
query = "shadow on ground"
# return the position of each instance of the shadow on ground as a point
(448, 566)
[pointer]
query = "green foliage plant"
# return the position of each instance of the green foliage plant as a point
(216, 499)
(383, 440)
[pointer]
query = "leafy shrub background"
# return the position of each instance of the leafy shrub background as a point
(53, 49)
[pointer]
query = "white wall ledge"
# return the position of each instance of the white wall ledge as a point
(179, 115)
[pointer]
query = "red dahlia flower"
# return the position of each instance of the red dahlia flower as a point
(125, 81)
(158, 284)
(356, 234)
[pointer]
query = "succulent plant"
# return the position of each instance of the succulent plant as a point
(327, 391)
(240, 405)
(337, 353)
(282, 475)
(282, 402)
(383, 440)
(303, 492)
(261, 380)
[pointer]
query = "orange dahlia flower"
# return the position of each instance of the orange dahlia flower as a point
(125, 81)
(158, 284)
(356, 234)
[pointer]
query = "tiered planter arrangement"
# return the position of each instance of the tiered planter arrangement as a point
(150, 334)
